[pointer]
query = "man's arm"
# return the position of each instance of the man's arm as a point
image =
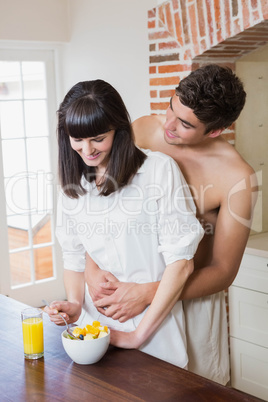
(230, 239)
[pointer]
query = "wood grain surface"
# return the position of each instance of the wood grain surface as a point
(121, 375)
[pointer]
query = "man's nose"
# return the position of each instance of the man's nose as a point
(171, 121)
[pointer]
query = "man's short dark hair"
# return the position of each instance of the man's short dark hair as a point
(215, 94)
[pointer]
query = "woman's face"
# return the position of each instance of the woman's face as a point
(95, 151)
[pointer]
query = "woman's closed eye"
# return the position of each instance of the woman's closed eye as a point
(92, 139)
(98, 139)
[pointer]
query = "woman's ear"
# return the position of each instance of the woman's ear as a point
(216, 133)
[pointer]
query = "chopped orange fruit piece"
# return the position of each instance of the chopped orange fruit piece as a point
(92, 330)
(89, 328)
(79, 331)
(96, 330)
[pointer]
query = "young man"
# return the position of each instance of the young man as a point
(206, 102)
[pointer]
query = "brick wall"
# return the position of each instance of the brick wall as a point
(184, 34)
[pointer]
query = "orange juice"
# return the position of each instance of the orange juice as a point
(33, 341)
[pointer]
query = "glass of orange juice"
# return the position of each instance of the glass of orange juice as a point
(32, 330)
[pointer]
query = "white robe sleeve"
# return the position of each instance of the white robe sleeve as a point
(73, 251)
(179, 230)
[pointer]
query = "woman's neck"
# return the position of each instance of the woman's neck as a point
(100, 176)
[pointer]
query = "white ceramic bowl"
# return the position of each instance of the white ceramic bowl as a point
(88, 351)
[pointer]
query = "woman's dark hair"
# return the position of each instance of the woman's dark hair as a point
(215, 94)
(89, 109)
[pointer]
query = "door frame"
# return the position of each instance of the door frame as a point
(52, 288)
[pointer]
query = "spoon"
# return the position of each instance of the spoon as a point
(67, 325)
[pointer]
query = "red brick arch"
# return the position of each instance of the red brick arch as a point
(183, 35)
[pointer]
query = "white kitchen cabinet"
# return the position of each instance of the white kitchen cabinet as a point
(248, 320)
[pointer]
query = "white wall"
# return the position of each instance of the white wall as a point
(34, 20)
(109, 41)
(104, 39)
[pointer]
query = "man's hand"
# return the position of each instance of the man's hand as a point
(124, 300)
(97, 283)
(118, 300)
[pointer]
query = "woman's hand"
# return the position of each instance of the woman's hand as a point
(70, 311)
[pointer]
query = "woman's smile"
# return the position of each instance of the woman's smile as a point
(95, 151)
(92, 157)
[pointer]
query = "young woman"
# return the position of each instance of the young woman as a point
(131, 212)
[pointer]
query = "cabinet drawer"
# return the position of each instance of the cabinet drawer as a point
(248, 315)
(249, 368)
(253, 273)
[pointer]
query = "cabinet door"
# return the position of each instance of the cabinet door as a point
(253, 273)
(248, 313)
(249, 368)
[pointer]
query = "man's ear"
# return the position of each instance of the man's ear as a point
(216, 133)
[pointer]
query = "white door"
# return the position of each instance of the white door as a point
(31, 267)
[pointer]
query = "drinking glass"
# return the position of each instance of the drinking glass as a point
(32, 330)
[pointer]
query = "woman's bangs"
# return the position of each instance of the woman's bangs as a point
(84, 121)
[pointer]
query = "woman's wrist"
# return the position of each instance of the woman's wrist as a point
(139, 337)
(76, 306)
(132, 340)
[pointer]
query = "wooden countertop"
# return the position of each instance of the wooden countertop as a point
(121, 375)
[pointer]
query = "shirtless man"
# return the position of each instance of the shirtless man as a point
(223, 187)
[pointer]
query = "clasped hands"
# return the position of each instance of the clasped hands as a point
(119, 301)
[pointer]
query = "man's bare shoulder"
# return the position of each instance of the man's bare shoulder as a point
(232, 173)
(147, 128)
(233, 162)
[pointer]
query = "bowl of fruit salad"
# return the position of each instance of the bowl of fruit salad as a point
(91, 344)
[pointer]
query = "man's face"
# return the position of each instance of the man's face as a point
(182, 127)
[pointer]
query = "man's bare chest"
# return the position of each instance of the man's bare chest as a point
(201, 172)
(206, 191)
